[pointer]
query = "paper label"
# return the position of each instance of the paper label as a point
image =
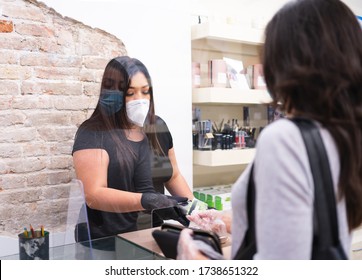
(209, 135)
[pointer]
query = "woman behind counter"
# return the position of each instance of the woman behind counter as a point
(117, 150)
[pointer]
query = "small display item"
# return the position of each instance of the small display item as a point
(217, 73)
(195, 204)
(34, 244)
(196, 75)
(255, 76)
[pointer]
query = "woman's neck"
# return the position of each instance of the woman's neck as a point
(135, 134)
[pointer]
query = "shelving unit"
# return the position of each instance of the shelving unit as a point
(223, 157)
(212, 40)
(229, 96)
(227, 33)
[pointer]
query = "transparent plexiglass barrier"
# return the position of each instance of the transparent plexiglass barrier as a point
(59, 223)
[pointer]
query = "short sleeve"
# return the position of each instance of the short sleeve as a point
(86, 139)
(163, 134)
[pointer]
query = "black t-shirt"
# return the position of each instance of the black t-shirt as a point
(145, 173)
(133, 178)
(160, 165)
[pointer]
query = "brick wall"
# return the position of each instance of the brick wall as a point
(50, 73)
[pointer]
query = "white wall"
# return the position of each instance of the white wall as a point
(158, 33)
(248, 10)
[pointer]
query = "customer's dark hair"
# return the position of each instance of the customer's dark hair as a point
(313, 68)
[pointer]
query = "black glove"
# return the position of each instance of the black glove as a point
(176, 213)
(181, 200)
(153, 200)
(165, 207)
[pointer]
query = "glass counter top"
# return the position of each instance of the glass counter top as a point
(108, 248)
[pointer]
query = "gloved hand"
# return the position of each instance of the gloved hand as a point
(190, 249)
(154, 200)
(211, 220)
(176, 213)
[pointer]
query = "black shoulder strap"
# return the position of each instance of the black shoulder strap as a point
(326, 233)
(247, 248)
(325, 215)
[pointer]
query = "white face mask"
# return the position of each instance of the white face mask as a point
(137, 111)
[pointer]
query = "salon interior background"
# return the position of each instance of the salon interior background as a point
(158, 33)
(50, 67)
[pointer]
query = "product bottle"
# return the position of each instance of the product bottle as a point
(196, 76)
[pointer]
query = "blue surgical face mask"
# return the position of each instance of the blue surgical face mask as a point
(111, 101)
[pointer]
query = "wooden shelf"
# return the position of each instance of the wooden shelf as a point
(229, 96)
(223, 157)
(227, 33)
(211, 40)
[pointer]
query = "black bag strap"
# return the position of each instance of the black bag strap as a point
(247, 248)
(326, 233)
(325, 214)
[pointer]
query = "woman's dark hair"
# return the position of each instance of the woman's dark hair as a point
(313, 68)
(117, 75)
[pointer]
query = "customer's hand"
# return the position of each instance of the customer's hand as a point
(154, 200)
(187, 248)
(211, 220)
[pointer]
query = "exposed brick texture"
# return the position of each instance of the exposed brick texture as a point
(50, 73)
(6, 26)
